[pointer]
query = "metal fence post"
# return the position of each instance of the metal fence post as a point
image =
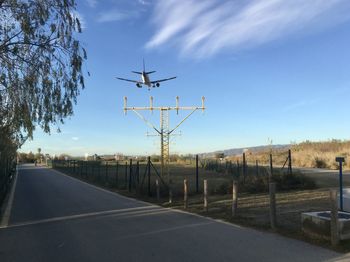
(290, 171)
(130, 175)
(271, 169)
(116, 173)
(126, 175)
(157, 190)
(197, 186)
(149, 175)
(106, 176)
(244, 168)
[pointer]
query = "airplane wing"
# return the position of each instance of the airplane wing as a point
(162, 80)
(134, 81)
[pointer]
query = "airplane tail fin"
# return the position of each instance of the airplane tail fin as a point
(136, 72)
(151, 72)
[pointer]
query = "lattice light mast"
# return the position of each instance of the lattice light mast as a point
(164, 130)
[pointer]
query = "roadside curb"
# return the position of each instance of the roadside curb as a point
(5, 211)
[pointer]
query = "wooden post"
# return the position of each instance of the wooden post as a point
(334, 218)
(157, 190)
(234, 199)
(185, 194)
(257, 167)
(272, 190)
(197, 186)
(149, 175)
(205, 195)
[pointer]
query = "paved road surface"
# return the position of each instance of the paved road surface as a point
(57, 218)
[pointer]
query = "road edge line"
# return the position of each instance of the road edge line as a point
(8, 203)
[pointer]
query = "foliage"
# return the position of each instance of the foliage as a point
(40, 64)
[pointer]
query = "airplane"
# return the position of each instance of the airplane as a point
(145, 80)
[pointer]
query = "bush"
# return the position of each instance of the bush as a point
(320, 163)
(293, 181)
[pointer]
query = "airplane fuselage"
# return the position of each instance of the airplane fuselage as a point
(145, 79)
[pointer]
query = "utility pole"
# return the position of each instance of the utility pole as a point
(164, 131)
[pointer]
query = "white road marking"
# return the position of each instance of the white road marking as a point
(126, 212)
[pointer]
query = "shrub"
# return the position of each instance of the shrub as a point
(293, 181)
(320, 163)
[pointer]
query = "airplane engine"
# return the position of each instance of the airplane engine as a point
(157, 84)
(138, 85)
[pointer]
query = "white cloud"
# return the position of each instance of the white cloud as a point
(206, 27)
(114, 15)
(143, 2)
(91, 3)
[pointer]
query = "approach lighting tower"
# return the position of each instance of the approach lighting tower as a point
(164, 131)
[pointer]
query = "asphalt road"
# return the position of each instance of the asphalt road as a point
(57, 218)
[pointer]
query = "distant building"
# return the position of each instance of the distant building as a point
(118, 156)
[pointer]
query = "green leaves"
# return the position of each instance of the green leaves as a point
(40, 64)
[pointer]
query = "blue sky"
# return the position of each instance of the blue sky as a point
(269, 69)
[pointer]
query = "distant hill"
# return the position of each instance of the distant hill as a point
(239, 151)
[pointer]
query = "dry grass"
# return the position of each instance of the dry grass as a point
(306, 154)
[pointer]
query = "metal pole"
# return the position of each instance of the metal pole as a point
(116, 173)
(126, 175)
(106, 176)
(244, 168)
(130, 175)
(271, 169)
(149, 175)
(340, 160)
(185, 194)
(290, 162)
(158, 190)
(197, 184)
(341, 185)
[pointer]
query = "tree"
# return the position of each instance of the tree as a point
(40, 64)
